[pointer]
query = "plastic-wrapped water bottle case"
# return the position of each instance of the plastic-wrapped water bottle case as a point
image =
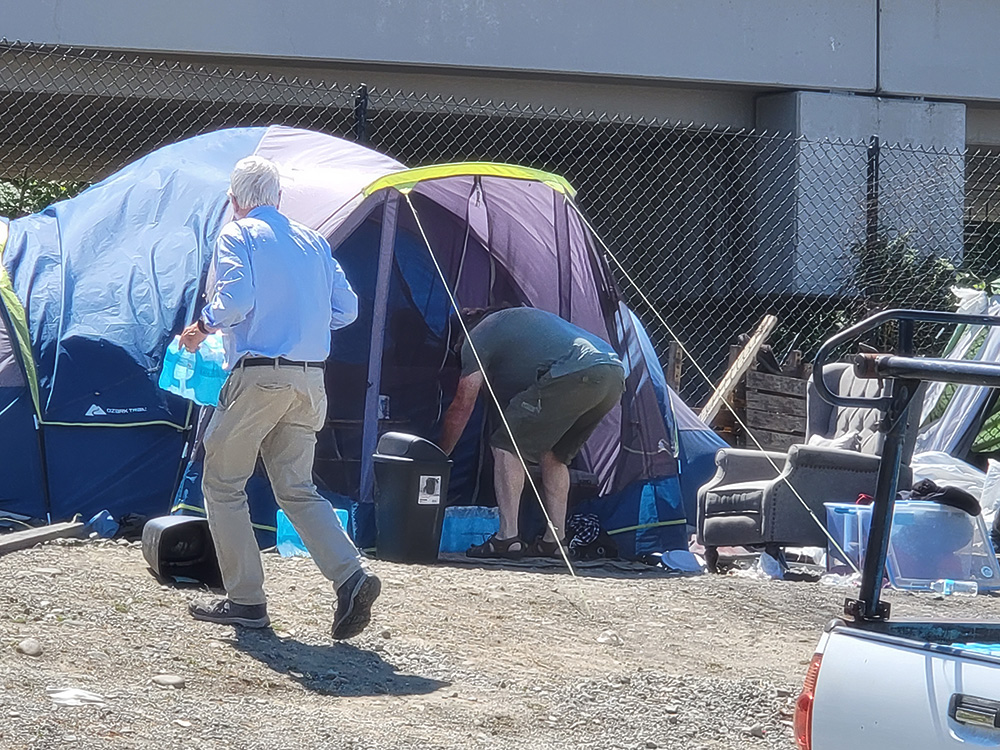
(198, 377)
(948, 587)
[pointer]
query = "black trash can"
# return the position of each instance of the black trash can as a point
(181, 547)
(411, 486)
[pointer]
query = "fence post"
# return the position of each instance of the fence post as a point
(675, 358)
(871, 195)
(361, 114)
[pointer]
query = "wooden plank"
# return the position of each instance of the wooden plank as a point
(778, 441)
(776, 404)
(30, 537)
(763, 381)
(777, 422)
(744, 361)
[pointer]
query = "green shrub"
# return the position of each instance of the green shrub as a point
(23, 197)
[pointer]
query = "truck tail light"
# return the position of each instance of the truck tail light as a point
(802, 725)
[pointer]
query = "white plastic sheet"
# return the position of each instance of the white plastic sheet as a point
(947, 471)
(945, 431)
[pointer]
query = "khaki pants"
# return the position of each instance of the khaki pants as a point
(276, 412)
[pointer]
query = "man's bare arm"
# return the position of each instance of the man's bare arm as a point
(460, 410)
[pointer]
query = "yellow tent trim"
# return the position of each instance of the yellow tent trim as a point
(201, 512)
(408, 179)
(647, 526)
(165, 423)
(19, 321)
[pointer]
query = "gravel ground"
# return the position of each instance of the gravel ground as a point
(456, 657)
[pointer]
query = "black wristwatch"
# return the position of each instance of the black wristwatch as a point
(202, 327)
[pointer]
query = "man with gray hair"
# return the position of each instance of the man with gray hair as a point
(278, 292)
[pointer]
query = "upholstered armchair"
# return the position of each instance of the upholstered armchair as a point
(750, 500)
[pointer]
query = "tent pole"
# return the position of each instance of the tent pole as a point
(369, 433)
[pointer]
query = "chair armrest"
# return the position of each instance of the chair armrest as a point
(818, 475)
(836, 459)
(744, 465)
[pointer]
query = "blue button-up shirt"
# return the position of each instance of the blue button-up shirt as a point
(278, 291)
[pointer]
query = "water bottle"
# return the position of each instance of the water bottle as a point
(177, 370)
(197, 376)
(184, 372)
(209, 375)
(948, 587)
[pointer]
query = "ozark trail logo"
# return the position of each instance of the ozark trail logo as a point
(97, 411)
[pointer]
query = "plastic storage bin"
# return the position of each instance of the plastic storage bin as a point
(849, 525)
(929, 542)
(289, 542)
(467, 525)
(198, 377)
(411, 487)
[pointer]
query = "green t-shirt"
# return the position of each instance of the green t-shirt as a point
(519, 345)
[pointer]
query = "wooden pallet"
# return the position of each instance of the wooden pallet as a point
(775, 410)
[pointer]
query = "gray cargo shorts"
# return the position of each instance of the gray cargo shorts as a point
(559, 414)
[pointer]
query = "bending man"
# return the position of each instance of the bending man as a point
(278, 294)
(555, 382)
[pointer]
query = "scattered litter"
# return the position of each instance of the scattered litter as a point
(682, 561)
(610, 636)
(73, 697)
(764, 568)
(182, 723)
(841, 581)
(770, 567)
(169, 681)
(103, 525)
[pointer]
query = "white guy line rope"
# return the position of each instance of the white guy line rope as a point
(705, 375)
(489, 387)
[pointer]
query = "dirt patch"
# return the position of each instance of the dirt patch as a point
(456, 657)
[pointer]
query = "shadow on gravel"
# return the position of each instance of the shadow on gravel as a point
(336, 669)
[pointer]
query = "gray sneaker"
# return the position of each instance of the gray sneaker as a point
(225, 612)
(354, 604)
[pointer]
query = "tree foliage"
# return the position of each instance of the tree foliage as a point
(28, 196)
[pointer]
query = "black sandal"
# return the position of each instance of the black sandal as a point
(541, 548)
(498, 548)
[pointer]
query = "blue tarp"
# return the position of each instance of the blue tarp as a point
(107, 278)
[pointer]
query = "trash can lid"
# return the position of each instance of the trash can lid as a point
(409, 446)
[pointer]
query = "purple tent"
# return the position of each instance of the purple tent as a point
(493, 234)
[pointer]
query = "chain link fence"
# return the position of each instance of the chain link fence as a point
(717, 227)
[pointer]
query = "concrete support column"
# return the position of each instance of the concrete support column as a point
(812, 187)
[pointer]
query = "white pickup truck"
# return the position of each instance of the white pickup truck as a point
(881, 684)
